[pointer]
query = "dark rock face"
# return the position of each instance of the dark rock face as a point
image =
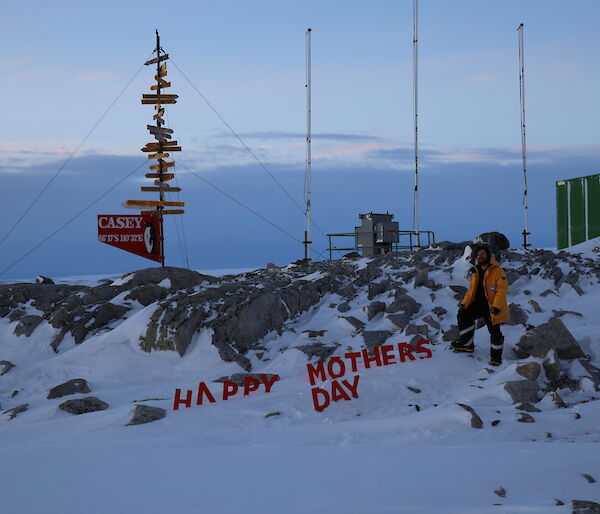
(83, 405)
(523, 391)
(146, 414)
(5, 367)
(375, 338)
(548, 336)
(74, 386)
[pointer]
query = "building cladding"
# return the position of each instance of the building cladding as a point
(577, 210)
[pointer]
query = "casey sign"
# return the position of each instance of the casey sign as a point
(138, 234)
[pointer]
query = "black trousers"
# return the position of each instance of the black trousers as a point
(467, 323)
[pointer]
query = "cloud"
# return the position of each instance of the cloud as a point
(302, 136)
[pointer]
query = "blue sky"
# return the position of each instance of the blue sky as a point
(65, 62)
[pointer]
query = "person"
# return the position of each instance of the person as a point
(485, 298)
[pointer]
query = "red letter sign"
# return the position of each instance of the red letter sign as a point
(139, 234)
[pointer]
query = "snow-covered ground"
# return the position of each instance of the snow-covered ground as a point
(404, 445)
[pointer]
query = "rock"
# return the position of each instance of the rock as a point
(559, 312)
(5, 367)
(312, 334)
(351, 256)
(355, 322)
(585, 507)
(376, 288)
(511, 276)
(525, 418)
(74, 386)
(343, 307)
(421, 278)
(589, 478)
(527, 407)
(593, 371)
(146, 414)
(422, 330)
(530, 370)
(27, 324)
(526, 292)
(373, 338)
(551, 335)
(431, 322)
(270, 266)
(452, 334)
(522, 391)
(500, 492)
(495, 423)
(578, 289)
(375, 308)
(517, 315)
(413, 389)
(401, 320)
(572, 278)
(558, 502)
(16, 410)
(547, 292)
(316, 350)
(40, 279)
(535, 306)
(439, 311)
(275, 413)
(238, 378)
(460, 292)
(404, 303)
(83, 405)
(558, 401)
(475, 419)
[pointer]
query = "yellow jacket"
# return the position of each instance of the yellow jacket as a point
(495, 287)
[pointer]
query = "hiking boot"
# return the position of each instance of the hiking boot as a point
(457, 346)
(495, 362)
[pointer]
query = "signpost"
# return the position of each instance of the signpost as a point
(143, 234)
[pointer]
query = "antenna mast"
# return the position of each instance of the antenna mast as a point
(416, 112)
(307, 241)
(525, 232)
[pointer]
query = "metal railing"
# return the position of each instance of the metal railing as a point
(396, 246)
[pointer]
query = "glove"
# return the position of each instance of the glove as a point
(495, 310)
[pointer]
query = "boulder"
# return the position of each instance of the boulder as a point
(375, 308)
(585, 507)
(27, 324)
(404, 303)
(41, 279)
(238, 378)
(517, 315)
(74, 386)
(355, 322)
(16, 410)
(475, 419)
(401, 320)
(376, 288)
(422, 330)
(439, 311)
(5, 367)
(549, 336)
(375, 338)
(319, 350)
(525, 418)
(452, 334)
(146, 414)
(530, 370)
(528, 407)
(343, 307)
(421, 278)
(431, 322)
(523, 391)
(83, 405)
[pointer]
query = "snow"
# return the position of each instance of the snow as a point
(166, 283)
(586, 248)
(374, 454)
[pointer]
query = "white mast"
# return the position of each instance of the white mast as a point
(526, 232)
(307, 241)
(416, 111)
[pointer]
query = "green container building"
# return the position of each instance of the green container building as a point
(577, 210)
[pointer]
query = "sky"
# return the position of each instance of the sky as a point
(64, 64)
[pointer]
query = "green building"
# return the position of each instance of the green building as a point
(577, 210)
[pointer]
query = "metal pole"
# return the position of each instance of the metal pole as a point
(160, 149)
(416, 112)
(307, 241)
(526, 232)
